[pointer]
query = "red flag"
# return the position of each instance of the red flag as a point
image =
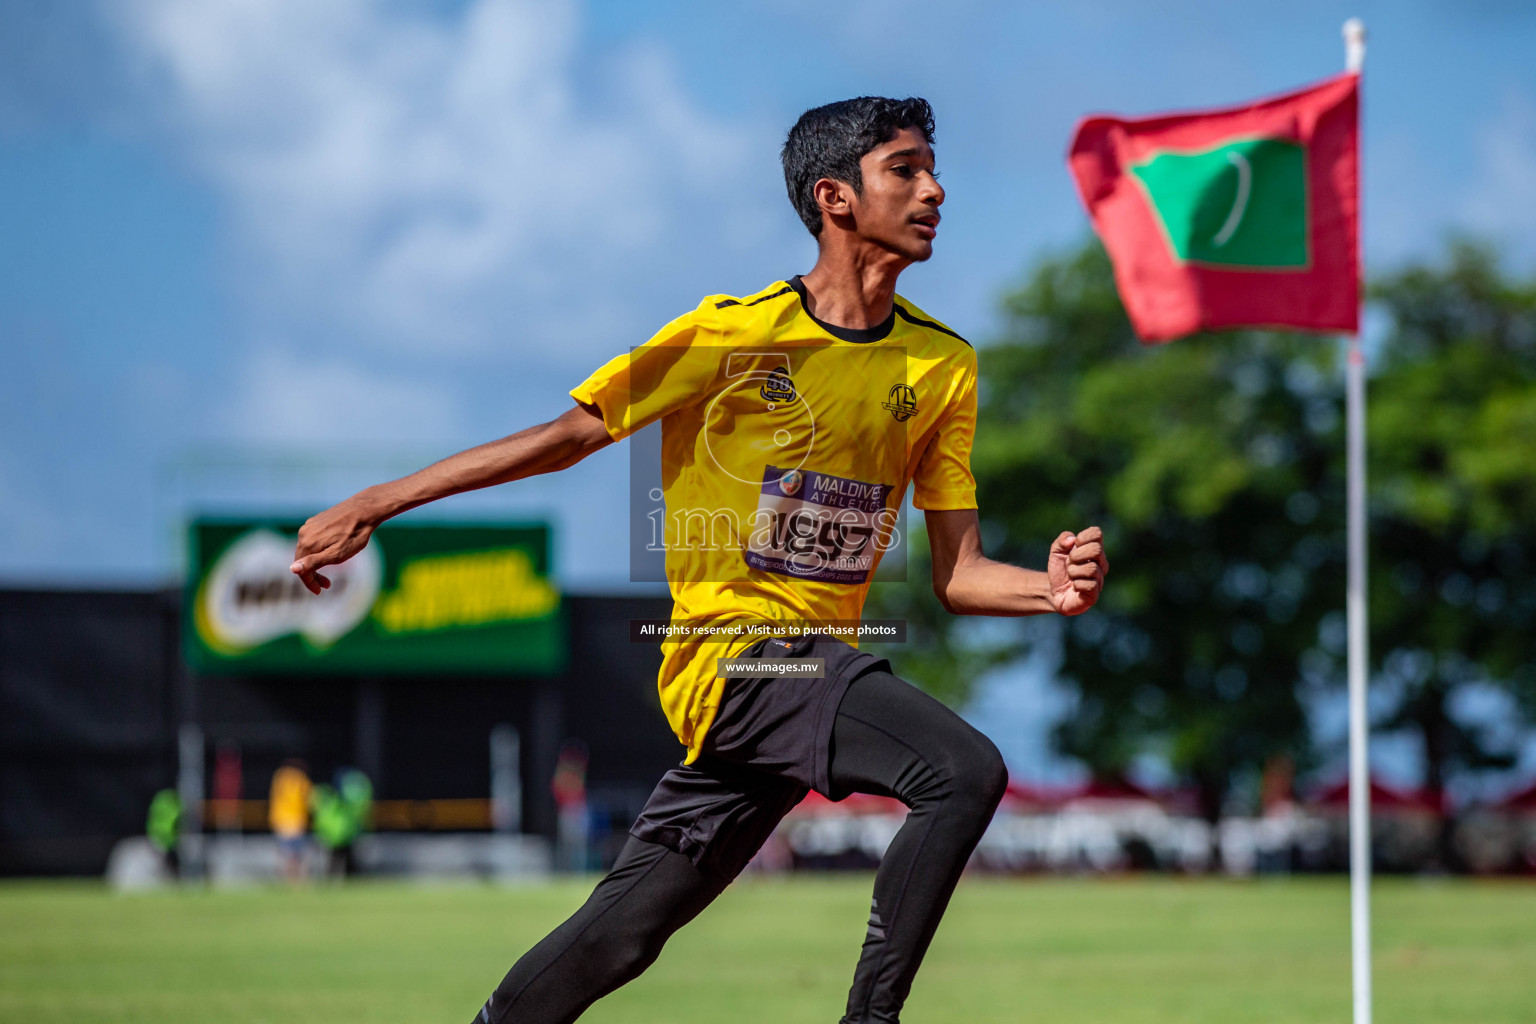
(1242, 217)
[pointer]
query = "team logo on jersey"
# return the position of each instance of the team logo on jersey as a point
(901, 403)
(790, 482)
(778, 388)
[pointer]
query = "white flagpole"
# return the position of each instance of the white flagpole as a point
(1359, 713)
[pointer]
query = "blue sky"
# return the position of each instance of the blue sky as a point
(259, 253)
(252, 254)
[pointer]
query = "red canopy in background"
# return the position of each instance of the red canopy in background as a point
(1020, 798)
(1523, 802)
(1099, 789)
(1023, 798)
(857, 803)
(1383, 798)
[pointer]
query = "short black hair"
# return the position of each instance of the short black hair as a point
(829, 142)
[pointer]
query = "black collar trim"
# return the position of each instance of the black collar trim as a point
(857, 335)
(737, 302)
(932, 325)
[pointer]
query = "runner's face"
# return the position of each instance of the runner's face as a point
(898, 207)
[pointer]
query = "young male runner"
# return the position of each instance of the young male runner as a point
(792, 422)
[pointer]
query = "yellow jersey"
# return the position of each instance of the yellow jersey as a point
(788, 444)
(288, 807)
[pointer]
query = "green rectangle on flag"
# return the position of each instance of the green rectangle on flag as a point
(1240, 204)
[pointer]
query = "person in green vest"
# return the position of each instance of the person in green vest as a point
(164, 827)
(342, 813)
(357, 791)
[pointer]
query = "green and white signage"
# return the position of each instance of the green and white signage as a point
(418, 600)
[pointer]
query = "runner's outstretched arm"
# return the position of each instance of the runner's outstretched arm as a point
(341, 531)
(967, 582)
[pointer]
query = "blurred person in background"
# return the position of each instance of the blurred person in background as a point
(356, 791)
(333, 829)
(569, 787)
(164, 828)
(227, 788)
(288, 815)
(342, 813)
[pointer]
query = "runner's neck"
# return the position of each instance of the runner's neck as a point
(852, 293)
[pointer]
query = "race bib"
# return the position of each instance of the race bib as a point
(816, 526)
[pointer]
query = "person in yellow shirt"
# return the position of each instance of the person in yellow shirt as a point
(288, 816)
(794, 421)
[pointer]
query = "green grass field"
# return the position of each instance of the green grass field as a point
(779, 951)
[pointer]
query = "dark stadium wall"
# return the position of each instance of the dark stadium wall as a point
(90, 695)
(93, 691)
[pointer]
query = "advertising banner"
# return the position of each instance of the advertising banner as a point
(420, 599)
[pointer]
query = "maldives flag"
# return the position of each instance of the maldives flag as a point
(1243, 217)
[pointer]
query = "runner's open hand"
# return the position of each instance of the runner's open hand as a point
(1077, 568)
(329, 538)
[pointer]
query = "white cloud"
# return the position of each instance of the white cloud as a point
(431, 181)
(287, 399)
(1500, 201)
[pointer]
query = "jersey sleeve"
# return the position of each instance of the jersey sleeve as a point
(671, 371)
(943, 480)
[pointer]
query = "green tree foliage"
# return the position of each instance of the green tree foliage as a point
(1210, 465)
(1453, 464)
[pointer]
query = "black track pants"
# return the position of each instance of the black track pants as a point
(892, 739)
(889, 738)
